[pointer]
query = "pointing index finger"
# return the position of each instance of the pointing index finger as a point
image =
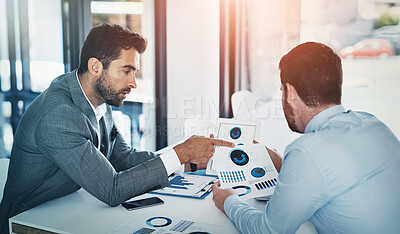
(222, 143)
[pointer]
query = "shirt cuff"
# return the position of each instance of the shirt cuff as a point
(171, 161)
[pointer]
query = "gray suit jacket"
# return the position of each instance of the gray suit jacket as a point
(54, 154)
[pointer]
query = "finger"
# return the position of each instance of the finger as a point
(255, 142)
(186, 167)
(222, 143)
(201, 166)
(215, 186)
(211, 135)
(212, 148)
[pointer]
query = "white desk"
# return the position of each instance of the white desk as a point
(80, 212)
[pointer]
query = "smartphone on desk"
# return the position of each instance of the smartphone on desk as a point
(142, 203)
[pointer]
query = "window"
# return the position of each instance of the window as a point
(135, 124)
(28, 28)
(45, 32)
(365, 33)
(128, 14)
(41, 39)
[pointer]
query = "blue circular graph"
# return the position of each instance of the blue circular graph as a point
(168, 221)
(248, 189)
(258, 172)
(235, 133)
(239, 157)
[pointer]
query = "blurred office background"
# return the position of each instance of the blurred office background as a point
(199, 53)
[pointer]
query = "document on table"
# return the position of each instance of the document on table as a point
(188, 185)
(165, 224)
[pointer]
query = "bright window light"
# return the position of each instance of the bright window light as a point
(125, 8)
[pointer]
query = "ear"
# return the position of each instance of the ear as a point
(291, 93)
(95, 67)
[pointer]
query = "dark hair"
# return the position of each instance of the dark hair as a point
(105, 42)
(315, 71)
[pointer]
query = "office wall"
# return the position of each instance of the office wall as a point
(192, 62)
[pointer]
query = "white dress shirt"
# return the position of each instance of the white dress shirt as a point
(170, 158)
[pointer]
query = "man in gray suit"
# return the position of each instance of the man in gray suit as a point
(67, 139)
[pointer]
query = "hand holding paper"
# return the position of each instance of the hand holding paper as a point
(247, 169)
(276, 158)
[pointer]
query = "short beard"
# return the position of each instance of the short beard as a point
(110, 96)
(289, 115)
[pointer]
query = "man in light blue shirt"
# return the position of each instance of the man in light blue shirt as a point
(342, 175)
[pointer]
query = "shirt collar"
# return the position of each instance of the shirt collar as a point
(100, 110)
(319, 119)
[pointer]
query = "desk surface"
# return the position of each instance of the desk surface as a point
(80, 212)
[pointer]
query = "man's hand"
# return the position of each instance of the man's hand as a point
(275, 157)
(198, 166)
(198, 149)
(220, 195)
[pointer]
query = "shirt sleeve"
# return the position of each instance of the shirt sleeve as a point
(171, 161)
(301, 190)
(124, 157)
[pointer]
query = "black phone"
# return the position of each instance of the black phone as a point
(146, 202)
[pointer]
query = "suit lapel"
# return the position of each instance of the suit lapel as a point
(79, 99)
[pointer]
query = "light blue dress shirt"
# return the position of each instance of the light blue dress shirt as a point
(342, 175)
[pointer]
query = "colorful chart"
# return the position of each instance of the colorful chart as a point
(248, 165)
(266, 184)
(156, 220)
(258, 172)
(239, 157)
(182, 226)
(247, 189)
(144, 231)
(179, 182)
(143, 224)
(232, 176)
(235, 133)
